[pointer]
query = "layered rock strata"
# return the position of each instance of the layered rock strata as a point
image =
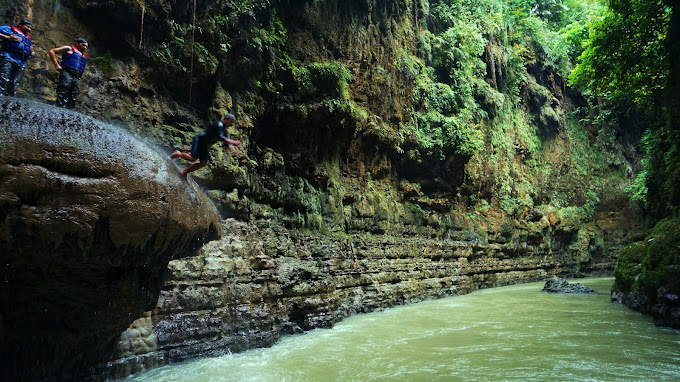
(324, 153)
(259, 283)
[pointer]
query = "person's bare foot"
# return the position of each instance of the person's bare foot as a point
(175, 155)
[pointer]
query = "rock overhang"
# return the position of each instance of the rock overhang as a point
(90, 216)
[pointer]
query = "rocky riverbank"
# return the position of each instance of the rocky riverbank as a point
(262, 282)
(647, 279)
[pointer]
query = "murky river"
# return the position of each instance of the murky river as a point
(515, 333)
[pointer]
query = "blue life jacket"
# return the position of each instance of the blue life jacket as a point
(20, 50)
(74, 62)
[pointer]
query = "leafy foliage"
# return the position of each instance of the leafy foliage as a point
(450, 76)
(248, 34)
(176, 53)
(662, 177)
(626, 64)
(323, 79)
(625, 58)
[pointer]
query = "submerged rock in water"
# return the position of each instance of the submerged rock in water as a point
(560, 285)
(90, 216)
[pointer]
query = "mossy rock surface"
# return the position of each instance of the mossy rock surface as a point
(652, 263)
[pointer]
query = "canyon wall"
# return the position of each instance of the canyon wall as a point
(394, 151)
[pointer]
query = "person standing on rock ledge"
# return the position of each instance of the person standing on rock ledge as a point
(73, 62)
(17, 48)
(202, 142)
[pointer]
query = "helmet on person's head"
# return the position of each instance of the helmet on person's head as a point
(230, 116)
(25, 22)
(82, 41)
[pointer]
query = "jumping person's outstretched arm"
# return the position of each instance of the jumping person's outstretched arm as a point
(230, 145)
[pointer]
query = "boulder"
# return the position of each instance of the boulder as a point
(90, 216)
(560, 285)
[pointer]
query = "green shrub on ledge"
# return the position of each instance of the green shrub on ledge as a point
(324, 80)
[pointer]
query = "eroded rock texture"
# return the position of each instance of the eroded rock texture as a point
(89, 218)
(259, 283)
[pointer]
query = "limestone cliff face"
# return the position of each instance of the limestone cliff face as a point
(89, 218)
(349, 196)
(258, 284)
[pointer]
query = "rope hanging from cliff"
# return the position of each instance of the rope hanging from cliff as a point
(191, 64)
(141, 30)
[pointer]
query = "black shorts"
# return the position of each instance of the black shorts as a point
(199, 148)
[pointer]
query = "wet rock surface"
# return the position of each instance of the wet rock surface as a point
(560, 285)
(665, 309)
(89, 218)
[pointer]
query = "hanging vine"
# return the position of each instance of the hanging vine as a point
(141, 29)
(191, 63)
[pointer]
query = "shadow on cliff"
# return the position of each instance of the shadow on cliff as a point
(90, 216)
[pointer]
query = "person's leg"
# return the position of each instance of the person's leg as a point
(73, 92)
(16, 76)
(185, 156)
(63, 88)
(193, 168)
(197, 149)
(5, 72)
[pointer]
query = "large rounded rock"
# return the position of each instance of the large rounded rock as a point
(89, 218)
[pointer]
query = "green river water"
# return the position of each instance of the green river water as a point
(514, 333)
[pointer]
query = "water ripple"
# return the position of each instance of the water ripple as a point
(514, 333)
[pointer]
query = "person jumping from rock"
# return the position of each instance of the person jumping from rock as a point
(202, 142)
(73, 62)
(17, 48)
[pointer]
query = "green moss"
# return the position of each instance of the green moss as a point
(346, 108)
(323, 80)
(652, 263)
(417, 213)
(660, 265)
(315, 222)
(272, 160)
(409, 66)
(104, 63)
(437, 133)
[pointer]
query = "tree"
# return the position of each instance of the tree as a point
(631, 62)
(625, 58)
